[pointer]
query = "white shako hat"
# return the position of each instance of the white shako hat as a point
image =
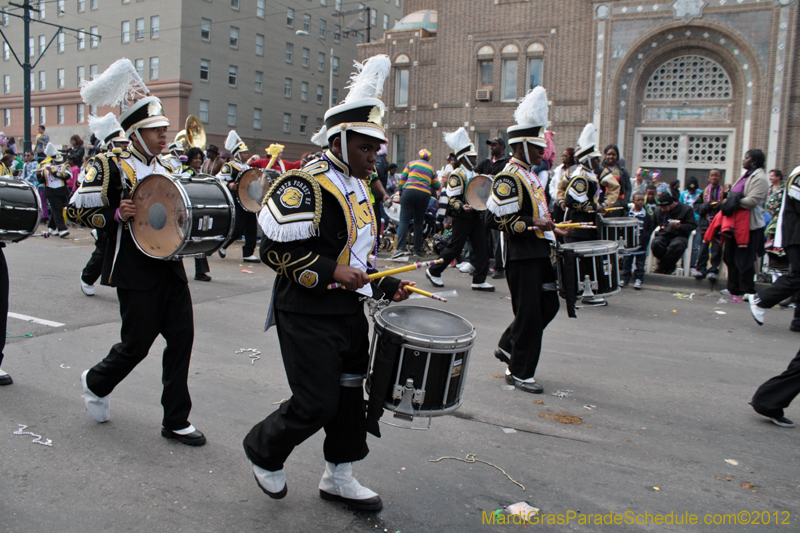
(362, 110)
(234, 144)
(531, 119)
(107, 129)
(146, 113)
(587, 144)
(176, 145)
(51, 151)
(460, 143)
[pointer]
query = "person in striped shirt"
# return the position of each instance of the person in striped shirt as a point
(418, 182)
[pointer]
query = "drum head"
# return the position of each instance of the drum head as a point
(161, 218)
(478, 190)
(423, 322)
(251, 189)
(591, 247)
(621, 221)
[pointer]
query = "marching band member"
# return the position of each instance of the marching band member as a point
(176, 150)
(584, 196)
(192, 167)
(517, 203)
(54, 173)
(244, 221)
(319, 227)
(275, 161)
(153, 294)
(467, 222)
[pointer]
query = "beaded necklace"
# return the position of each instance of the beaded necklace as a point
(353, 215)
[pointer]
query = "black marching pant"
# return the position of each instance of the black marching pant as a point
(786, 285)
(668, 249)
(317, 350)
(57, 203)
(201, 266)
(164, 309)
(739, 281)
(777, 393)
(3, 300)
(245, 223)
(533, 308)
(94, 268)
(463, 229)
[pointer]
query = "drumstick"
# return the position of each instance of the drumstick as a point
(575, 226)
(613, 208)
(572, 224)
(393, 271)
(425, 293)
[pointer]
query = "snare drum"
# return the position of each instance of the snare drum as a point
(479, 189)
(252, 186)
(20, 209)
(623, 230)
(419, 356)
(588, 268)
(181, 216)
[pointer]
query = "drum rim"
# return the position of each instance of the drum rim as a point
(621, 221)
(427, 341)
(237, 189)
(22, 235)
(604, 247)
(472, 180)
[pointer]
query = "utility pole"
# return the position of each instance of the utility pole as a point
(26, 65)
(368, 28)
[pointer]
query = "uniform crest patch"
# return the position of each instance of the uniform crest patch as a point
(519, 226)
(580, 186)
(308, 279)
(291, 198)
(454, 181)
(99, 221)
(504, 189)
(91, 174)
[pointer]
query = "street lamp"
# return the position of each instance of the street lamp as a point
(330, 65)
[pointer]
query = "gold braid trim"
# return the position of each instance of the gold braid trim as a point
(314, 187)
(106, 176)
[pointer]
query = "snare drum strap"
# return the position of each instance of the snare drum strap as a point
(568, 279)
(387, 351)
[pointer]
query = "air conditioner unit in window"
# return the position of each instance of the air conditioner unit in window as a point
(483, 95)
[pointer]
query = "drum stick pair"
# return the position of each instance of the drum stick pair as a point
(425, 293)
(393, 271)
(576, 225)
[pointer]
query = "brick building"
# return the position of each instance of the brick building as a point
(683, 86)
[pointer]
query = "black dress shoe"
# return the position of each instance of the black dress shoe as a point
(792, 327)
(202, 277)
(370, 504)
(6, 380)
(195, 438)
(498, 274)
(502, 356)
(534, 387)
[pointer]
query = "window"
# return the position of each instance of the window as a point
(261, 8)
(204, 104)
(486, 71)
(205, 29)
(81, 40)
(373, 18)
(60, 73)
(334, 97)
(139, 29)
(153, 68)
(126, 31)
(234, 37)
(259, 84)
(290, 17)
(6, 84)
(42, 44)
(92, 72)
(7, 51)
(139, 65)
(287, 87)
(42, 84)
(337, 33)
(81, 75)
(259, 45)
(401, 88)
(81, 6)
(304, 91)
(303, 120)
(60, 114)
(323, 2)
(323, 27)
(5, 16)
(33, 115)
(93, 110)
(6, 117)
(94, 39)
(42, 115)
(306, 22)
(336, 66)
(397, 3)
(289, 52)
(204, 67)
(60, 40)
(231, 115)
(360, 38)
(60, 7)
(320, 93)
(94, 4)
(287, 123)
(321, 62)
(701, 79)
(399, 149)
(32, 47)
(508, 91)
(362, 8)
(306, 54)
(235, 4)
(337, 5)
(319, 123)
(81, 114)
(233, 73)
(256, 119)
(534, 78)
(155, 27)
(385, 22)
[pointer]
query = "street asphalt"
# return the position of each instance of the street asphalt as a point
(656, 386)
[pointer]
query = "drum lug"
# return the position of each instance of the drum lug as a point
(408, 395)
(587, 286)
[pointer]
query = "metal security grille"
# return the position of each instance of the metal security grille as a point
(659, 149)
(689, 78)
(707, 150)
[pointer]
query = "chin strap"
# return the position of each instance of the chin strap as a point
(344, 148)
(141, 141)
(527, 155)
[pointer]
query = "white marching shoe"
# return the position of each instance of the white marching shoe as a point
(339, 485)
(466, 268)
(98, 408)
(273, 484)
(87, 289)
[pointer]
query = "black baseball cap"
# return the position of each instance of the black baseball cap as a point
(665, 198)
(496, 140)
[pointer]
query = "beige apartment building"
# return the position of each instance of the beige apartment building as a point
(236, 64)
(680, 85)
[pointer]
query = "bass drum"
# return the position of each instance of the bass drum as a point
(478, 190)
(20, 209)
(252, 186)
(181, 216)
